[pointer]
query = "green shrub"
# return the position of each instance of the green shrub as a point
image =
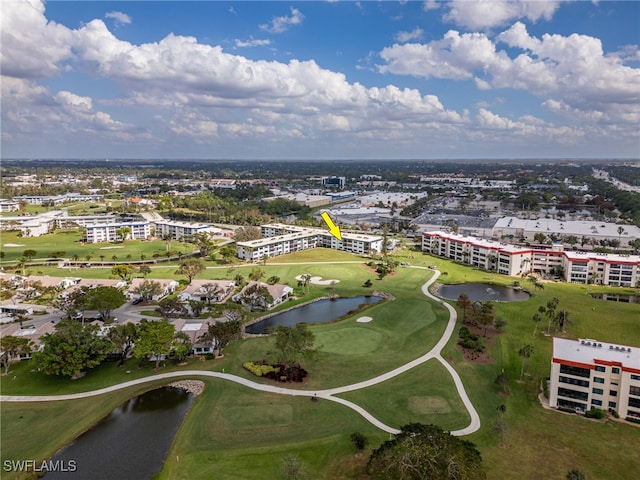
(209, 356)
(359, 440)
(260, 370)
(595, 413)
(633, 419)
(567, 409)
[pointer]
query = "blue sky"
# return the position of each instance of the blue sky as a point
(314, 80)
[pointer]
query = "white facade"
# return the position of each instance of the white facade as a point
(8, 205)
(577, 267)
(282, 239)
(180, 230)
(108, 232)
(587, 373)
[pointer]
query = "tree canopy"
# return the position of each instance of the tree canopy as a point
(155, 338)
(12, 347)
(222, 333)
(103, 299)
(191, 268)
(125, 272)
(421, 452)
(148, 289)
(294, 343)
(72, 348)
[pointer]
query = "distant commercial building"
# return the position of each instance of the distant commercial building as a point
(303, 199)
(587, 373)
(582, 230)
(281, 239)
(577, 267)
(333, 182)
(180, 230)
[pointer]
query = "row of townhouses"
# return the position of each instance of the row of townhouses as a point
(280, 239)
(513, 260)
(586, 373)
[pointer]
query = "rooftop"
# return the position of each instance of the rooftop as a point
(589, 351)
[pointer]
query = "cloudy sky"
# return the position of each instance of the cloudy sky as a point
(314, 80)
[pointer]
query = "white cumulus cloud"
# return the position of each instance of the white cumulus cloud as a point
(570, 69)
(282, 24)
(119, 17)
(480, 14)
(415, 34)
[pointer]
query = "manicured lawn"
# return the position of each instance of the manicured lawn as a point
(425, 394)
(234, 432)
(69, 241)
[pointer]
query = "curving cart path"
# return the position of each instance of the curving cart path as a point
(327, 394)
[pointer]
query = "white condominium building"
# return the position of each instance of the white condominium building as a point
(180, 230)
(281, 239)
(513, 260)
(587, 373)
(109, 232)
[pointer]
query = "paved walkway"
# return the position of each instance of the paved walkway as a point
(327, 394)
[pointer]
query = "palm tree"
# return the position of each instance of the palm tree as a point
(525, 352)
(562, 319)
(537, 318)
(550, 311)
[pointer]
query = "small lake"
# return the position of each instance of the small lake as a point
(483, 292)
(617, 298)
(322, 311)
(132, 442)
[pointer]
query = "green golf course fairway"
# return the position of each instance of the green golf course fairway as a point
(233, 432)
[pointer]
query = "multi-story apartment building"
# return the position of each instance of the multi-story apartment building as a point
(281, 239)
(577, 267)
(109, 232)
(587, 373)
(180, 230)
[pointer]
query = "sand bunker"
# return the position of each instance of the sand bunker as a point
(364, 319)
(110, 248)
(13, 245)
(319, 281)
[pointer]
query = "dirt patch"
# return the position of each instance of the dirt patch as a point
(483, 356)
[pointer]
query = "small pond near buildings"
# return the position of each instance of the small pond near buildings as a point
(322, 311)
(483, 292)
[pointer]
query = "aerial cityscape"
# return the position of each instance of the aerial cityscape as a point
(320, 240)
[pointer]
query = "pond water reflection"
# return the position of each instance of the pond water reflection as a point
(132, 442)
(483, 292)
(322, 311)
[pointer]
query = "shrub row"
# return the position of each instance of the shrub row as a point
(567, 409)
(470, 340)
(260, 370)
(633, 419)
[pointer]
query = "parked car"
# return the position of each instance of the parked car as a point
(137, 301)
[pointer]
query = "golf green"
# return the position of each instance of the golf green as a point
(356, 340)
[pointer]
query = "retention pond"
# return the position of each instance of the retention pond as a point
(322, 311)
(132, 442)
(483, 292)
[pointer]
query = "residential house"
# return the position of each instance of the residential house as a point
(168, 287)
(278, 292)
(210, 291)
